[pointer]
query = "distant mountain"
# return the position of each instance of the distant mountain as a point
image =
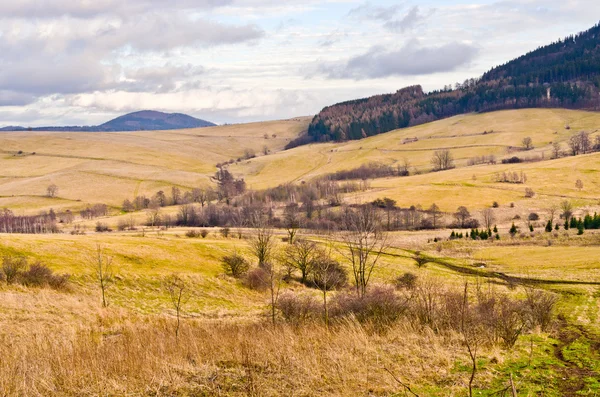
(563, 74)
(145, 120)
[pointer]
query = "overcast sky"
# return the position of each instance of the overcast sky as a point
(82, 62)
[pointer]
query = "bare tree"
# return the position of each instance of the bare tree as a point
(365, 243)
(328, 275)
(442, 160)
(291, 216)
(488, 217)
(52, 190)
(462, 214)
(527, 143)
(153, 214)
(552, 210)
(435, 213)
(556, 150)
(567, 209)
(262, 246)
(275, 277)
(302, 255)
(102, 265)
(471, 332)
(178, 294)
(175, 195)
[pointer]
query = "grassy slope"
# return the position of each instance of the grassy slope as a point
(109, 167)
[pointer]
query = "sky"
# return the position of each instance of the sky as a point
(83, 62)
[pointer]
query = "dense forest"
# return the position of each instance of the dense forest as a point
(563, 74)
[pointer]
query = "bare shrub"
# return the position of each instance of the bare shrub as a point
(235, 265)
(203, 233)
(407, 281)
(12, 268)
(192, 234)
(257, 279)
(379, 306)
(540, 307)
(298, 308)
(40, 275)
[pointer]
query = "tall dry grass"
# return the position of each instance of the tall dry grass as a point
(121, 354)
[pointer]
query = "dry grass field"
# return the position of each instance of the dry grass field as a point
(64, 343)
(109, 167)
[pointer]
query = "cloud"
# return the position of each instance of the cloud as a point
(410, 60)
(367, 11)
(407, 22)
(93, 8)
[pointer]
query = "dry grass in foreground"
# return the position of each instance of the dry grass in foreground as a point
(121, 355)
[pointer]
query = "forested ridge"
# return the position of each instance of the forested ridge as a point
(563, 74)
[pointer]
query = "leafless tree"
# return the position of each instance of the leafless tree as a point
(327, 275)
(52, 190)
(488, 217)
(153, 214)
(291, 216)
(471, 331)
(365, 242)
(552, 210)
(567, 209)
(102, 266)
(275, 275)
(175, 195)
(262, 246)
(435, 213)
(442, 160)
(179, 294)
(556, 150)
(302, 255)
(527, 143)
(462, 214)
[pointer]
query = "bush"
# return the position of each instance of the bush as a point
(407, 281)
(495, 204)
(533, 216)
(203, 233)
(380, 306)
(224, 232)
(328, 274)
(257, 279)
(511, 160)
(540, 306)
(40, 275)
(122, 225)
(297, 309)
(102, 227)
(192, 234)
(235, 265)
(12, 268)
(529, 193)
(16, 269)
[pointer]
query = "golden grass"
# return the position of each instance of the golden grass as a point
(109, 167)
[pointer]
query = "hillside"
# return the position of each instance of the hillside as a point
(145, 120)
(108, 167)
(105, 167)
(563, 74)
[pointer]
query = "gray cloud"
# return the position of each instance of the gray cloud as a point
(408, 21)
(412, 59)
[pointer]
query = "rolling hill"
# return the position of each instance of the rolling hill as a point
(145, 120)
(110, 167)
